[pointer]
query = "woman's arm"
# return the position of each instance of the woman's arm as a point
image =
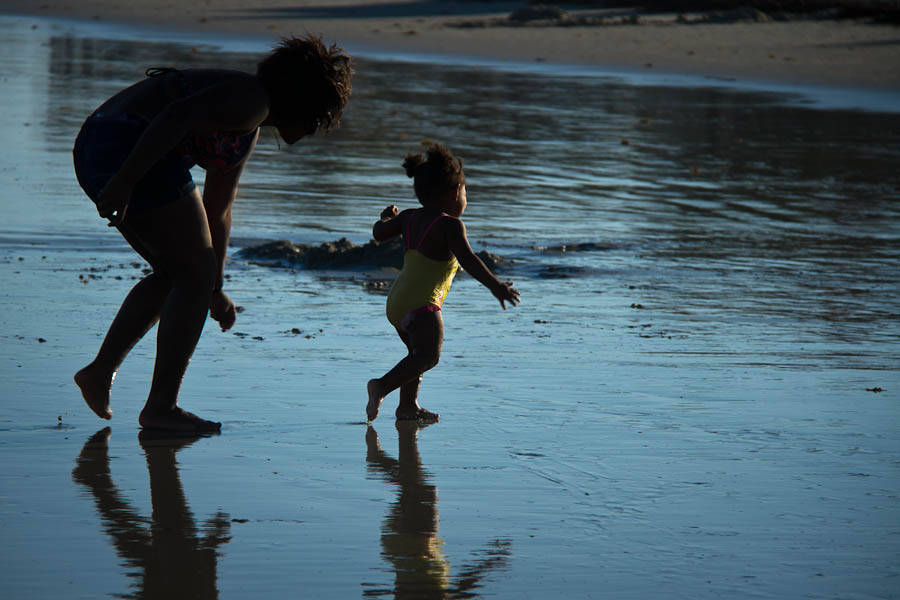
(238, 105)
(219, 191)
(458, 243)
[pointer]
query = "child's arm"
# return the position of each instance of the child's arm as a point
(459, 246)
(388, 226)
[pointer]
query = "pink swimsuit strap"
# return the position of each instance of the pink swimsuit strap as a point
(427, 229)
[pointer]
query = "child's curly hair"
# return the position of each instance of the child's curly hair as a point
(307, 81)
(435, 176)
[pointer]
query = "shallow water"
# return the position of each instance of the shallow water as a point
(680, 403)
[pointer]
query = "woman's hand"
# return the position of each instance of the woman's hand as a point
(113, 202)
(222, 309)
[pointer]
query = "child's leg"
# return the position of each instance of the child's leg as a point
(424, 337)
(409, 394)
(377, 388)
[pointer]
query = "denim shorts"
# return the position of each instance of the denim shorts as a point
(104, 143)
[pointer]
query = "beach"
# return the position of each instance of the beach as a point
(831, 53)
(697, 397)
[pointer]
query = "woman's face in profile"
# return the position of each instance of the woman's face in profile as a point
(293, 132)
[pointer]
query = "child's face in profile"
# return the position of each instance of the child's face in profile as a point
(455, 205)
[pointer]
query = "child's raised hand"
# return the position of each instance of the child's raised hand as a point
(505, 292)
(387, 226)
(390, 212)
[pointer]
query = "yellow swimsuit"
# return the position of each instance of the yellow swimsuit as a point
(422, 284)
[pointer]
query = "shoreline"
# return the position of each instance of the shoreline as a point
(794, 54)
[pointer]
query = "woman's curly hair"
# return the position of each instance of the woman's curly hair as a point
(307, 81)
(436, 175)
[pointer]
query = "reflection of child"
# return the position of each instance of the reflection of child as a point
(435, 239)
(410, 534)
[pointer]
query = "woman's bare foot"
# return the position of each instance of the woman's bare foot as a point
(375, 399)
(95, 386)
(417, 414)
(93, 462)
(176, 419)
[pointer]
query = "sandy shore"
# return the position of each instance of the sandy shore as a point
(687, 399)
(818, 53)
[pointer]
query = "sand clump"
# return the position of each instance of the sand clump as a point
(343, 254)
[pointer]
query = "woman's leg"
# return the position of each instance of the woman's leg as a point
(423, 338)
(177, 234)
(138, 313)
(175, 239)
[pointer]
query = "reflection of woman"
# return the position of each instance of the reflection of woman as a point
(133, 156)
(409, 538)
(175, 562)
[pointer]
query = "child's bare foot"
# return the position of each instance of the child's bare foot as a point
(95, 387)
(375, 399)
(417, 414)
(176, 419)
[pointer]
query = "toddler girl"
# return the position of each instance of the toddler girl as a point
(436, 245)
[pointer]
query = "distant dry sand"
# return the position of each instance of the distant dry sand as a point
(820, 53)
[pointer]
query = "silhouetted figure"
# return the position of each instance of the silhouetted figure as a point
(173, 559)
(435, 242)
(133, 158)
(409, 538)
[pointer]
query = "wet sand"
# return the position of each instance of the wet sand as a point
(827, 53)
(698, 394)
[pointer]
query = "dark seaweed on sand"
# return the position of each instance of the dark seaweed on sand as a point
(343, 254)
(624, 12)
